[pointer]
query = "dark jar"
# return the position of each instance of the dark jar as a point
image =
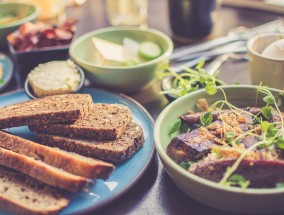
(191, 18)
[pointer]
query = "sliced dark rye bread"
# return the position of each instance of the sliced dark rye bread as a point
(43, 172)
(50, 109)
(113, 151)
(105, 122)
(70, 162)
(21, 194)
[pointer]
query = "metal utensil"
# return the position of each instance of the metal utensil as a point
(240, 35)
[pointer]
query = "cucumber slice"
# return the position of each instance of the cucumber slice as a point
(149, 50)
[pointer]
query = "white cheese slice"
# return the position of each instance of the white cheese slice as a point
(108, 53)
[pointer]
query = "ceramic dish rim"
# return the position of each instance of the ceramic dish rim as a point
(196, 179)
(77, 41)
(28, 90)
(31, 16)
(9, 60)
(116, 195)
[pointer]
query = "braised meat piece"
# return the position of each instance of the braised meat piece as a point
(197, 143)
(260, 173)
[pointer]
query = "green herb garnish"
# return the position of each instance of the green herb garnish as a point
(185, 165)
(175, 127)
(230, 136)
(267, 112)
(190, 80)
(238, 180)
(206, 118)
(272, 134)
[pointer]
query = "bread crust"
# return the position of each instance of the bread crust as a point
(70, 162)
(38, 189)
(112, 151)
(50, 109)
(42, 171)
(104, 122)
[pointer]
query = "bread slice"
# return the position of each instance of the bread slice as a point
(113, 151)
(50, 109)
(105, 122)
(21, 194)
(70, 162)
(41, 171)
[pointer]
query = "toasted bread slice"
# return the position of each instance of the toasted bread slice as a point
(22, 194)
(43, 172)
(70, 162)
(113, 151)
(105, 122)
(50, 109)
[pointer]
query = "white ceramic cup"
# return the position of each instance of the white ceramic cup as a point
(268, 70)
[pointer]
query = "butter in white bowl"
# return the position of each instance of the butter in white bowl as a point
(54, 77)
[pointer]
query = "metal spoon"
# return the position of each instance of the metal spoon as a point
(215, 65)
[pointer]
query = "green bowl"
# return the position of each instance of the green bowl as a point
(231, 199)
(27, 12)
(124, 79)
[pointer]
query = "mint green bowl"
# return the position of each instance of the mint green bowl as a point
(231, 199)
(28, 12)
(124, 79)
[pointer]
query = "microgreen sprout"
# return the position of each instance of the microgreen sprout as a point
(239, 180)
(190, 80)
(175, 127)
(272, 134)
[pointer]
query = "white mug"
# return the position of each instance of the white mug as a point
(266, 69)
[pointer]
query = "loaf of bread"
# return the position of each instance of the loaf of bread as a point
(104, 122)
(70, 162)
(21, 194)
(43, 172)
(50, 109)
(113, 151)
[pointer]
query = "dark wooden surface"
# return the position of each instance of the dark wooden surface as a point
(155, 193)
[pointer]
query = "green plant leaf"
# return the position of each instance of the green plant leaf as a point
(269, 99)
(185, 165)
(175, 127)
(280, 142)
(229, 136)
(239, 180)
(256, 120)
(211, 88)
(264, 125)
(206, 118)
(267, 112)
(271, 131)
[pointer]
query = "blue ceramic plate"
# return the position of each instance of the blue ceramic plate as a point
(8, 69)
(126, 173)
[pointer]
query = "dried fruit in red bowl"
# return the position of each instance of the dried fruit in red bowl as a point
(31, 36)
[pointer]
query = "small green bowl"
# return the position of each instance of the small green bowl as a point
(231, 199)
(124, 79)
(28, 12)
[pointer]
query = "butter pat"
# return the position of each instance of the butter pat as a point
(108, 53)
(55, 77)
